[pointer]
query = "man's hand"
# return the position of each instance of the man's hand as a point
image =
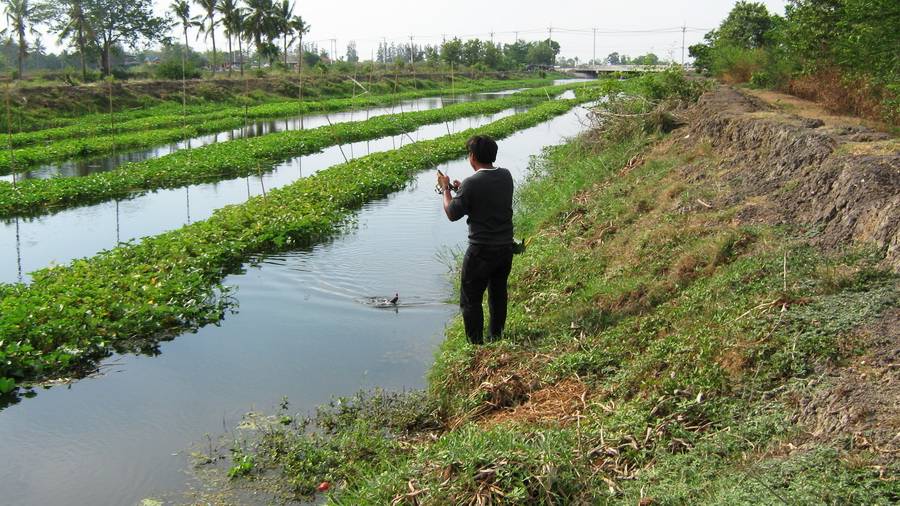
(455, 184)
(443, 181)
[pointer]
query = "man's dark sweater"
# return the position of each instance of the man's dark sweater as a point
(486, 198)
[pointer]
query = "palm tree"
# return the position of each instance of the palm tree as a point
(20, 18)
(300, 28)
(182, 11)
(231, 21)
(260, 26)
(210, 6)
(74, 24)
(237, 22)
(283, 14)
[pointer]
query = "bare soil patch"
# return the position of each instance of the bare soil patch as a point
(837, 180)
(811, 110)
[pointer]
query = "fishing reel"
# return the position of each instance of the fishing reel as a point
(439, 190)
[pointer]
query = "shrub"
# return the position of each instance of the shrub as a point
(671, 83)
(171, 69)
(737, 65)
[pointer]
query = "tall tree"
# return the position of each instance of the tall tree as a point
(471, 51)
(451, 51)
(231, 21)
(746, 26)
(301, 28)
(128, 22)
(284, 12)
(516, 53)
(182, 11)
(21, 16)
(260, 26)
(352, 54)
(210, 6)
(70, 22)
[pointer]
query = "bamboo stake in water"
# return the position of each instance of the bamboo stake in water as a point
(118, 236)
(18, 250)
(12, 153)
(112, 120)
(300, 93)
(261, 184)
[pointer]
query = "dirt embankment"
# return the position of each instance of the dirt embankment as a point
(839, 180)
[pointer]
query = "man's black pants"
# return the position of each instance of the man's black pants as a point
(484, 267)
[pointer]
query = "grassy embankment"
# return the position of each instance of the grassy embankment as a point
(657, 351)
(237, 158)
(131, 296)
(101, 134)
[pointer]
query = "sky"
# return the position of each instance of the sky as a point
(630, 27)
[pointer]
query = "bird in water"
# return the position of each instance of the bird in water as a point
(395, 299)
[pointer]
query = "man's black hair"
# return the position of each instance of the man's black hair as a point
(483, 147)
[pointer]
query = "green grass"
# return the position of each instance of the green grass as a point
(675, 321)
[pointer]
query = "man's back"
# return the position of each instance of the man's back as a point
(486, 198)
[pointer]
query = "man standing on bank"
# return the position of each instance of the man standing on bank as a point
(486, 198)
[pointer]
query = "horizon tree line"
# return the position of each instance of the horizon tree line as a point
(95, 29)
(98, 27)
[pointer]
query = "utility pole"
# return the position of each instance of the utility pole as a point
(384, 53)
(594, 58)
(517, 37)
(550, 43)
(492, 36)
(411, 60)
(683, 29)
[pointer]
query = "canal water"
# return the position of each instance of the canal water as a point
(303, 330)
(27, 244)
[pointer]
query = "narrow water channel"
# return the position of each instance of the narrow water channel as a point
(255, 128)
(32, 243)
(302, 331)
